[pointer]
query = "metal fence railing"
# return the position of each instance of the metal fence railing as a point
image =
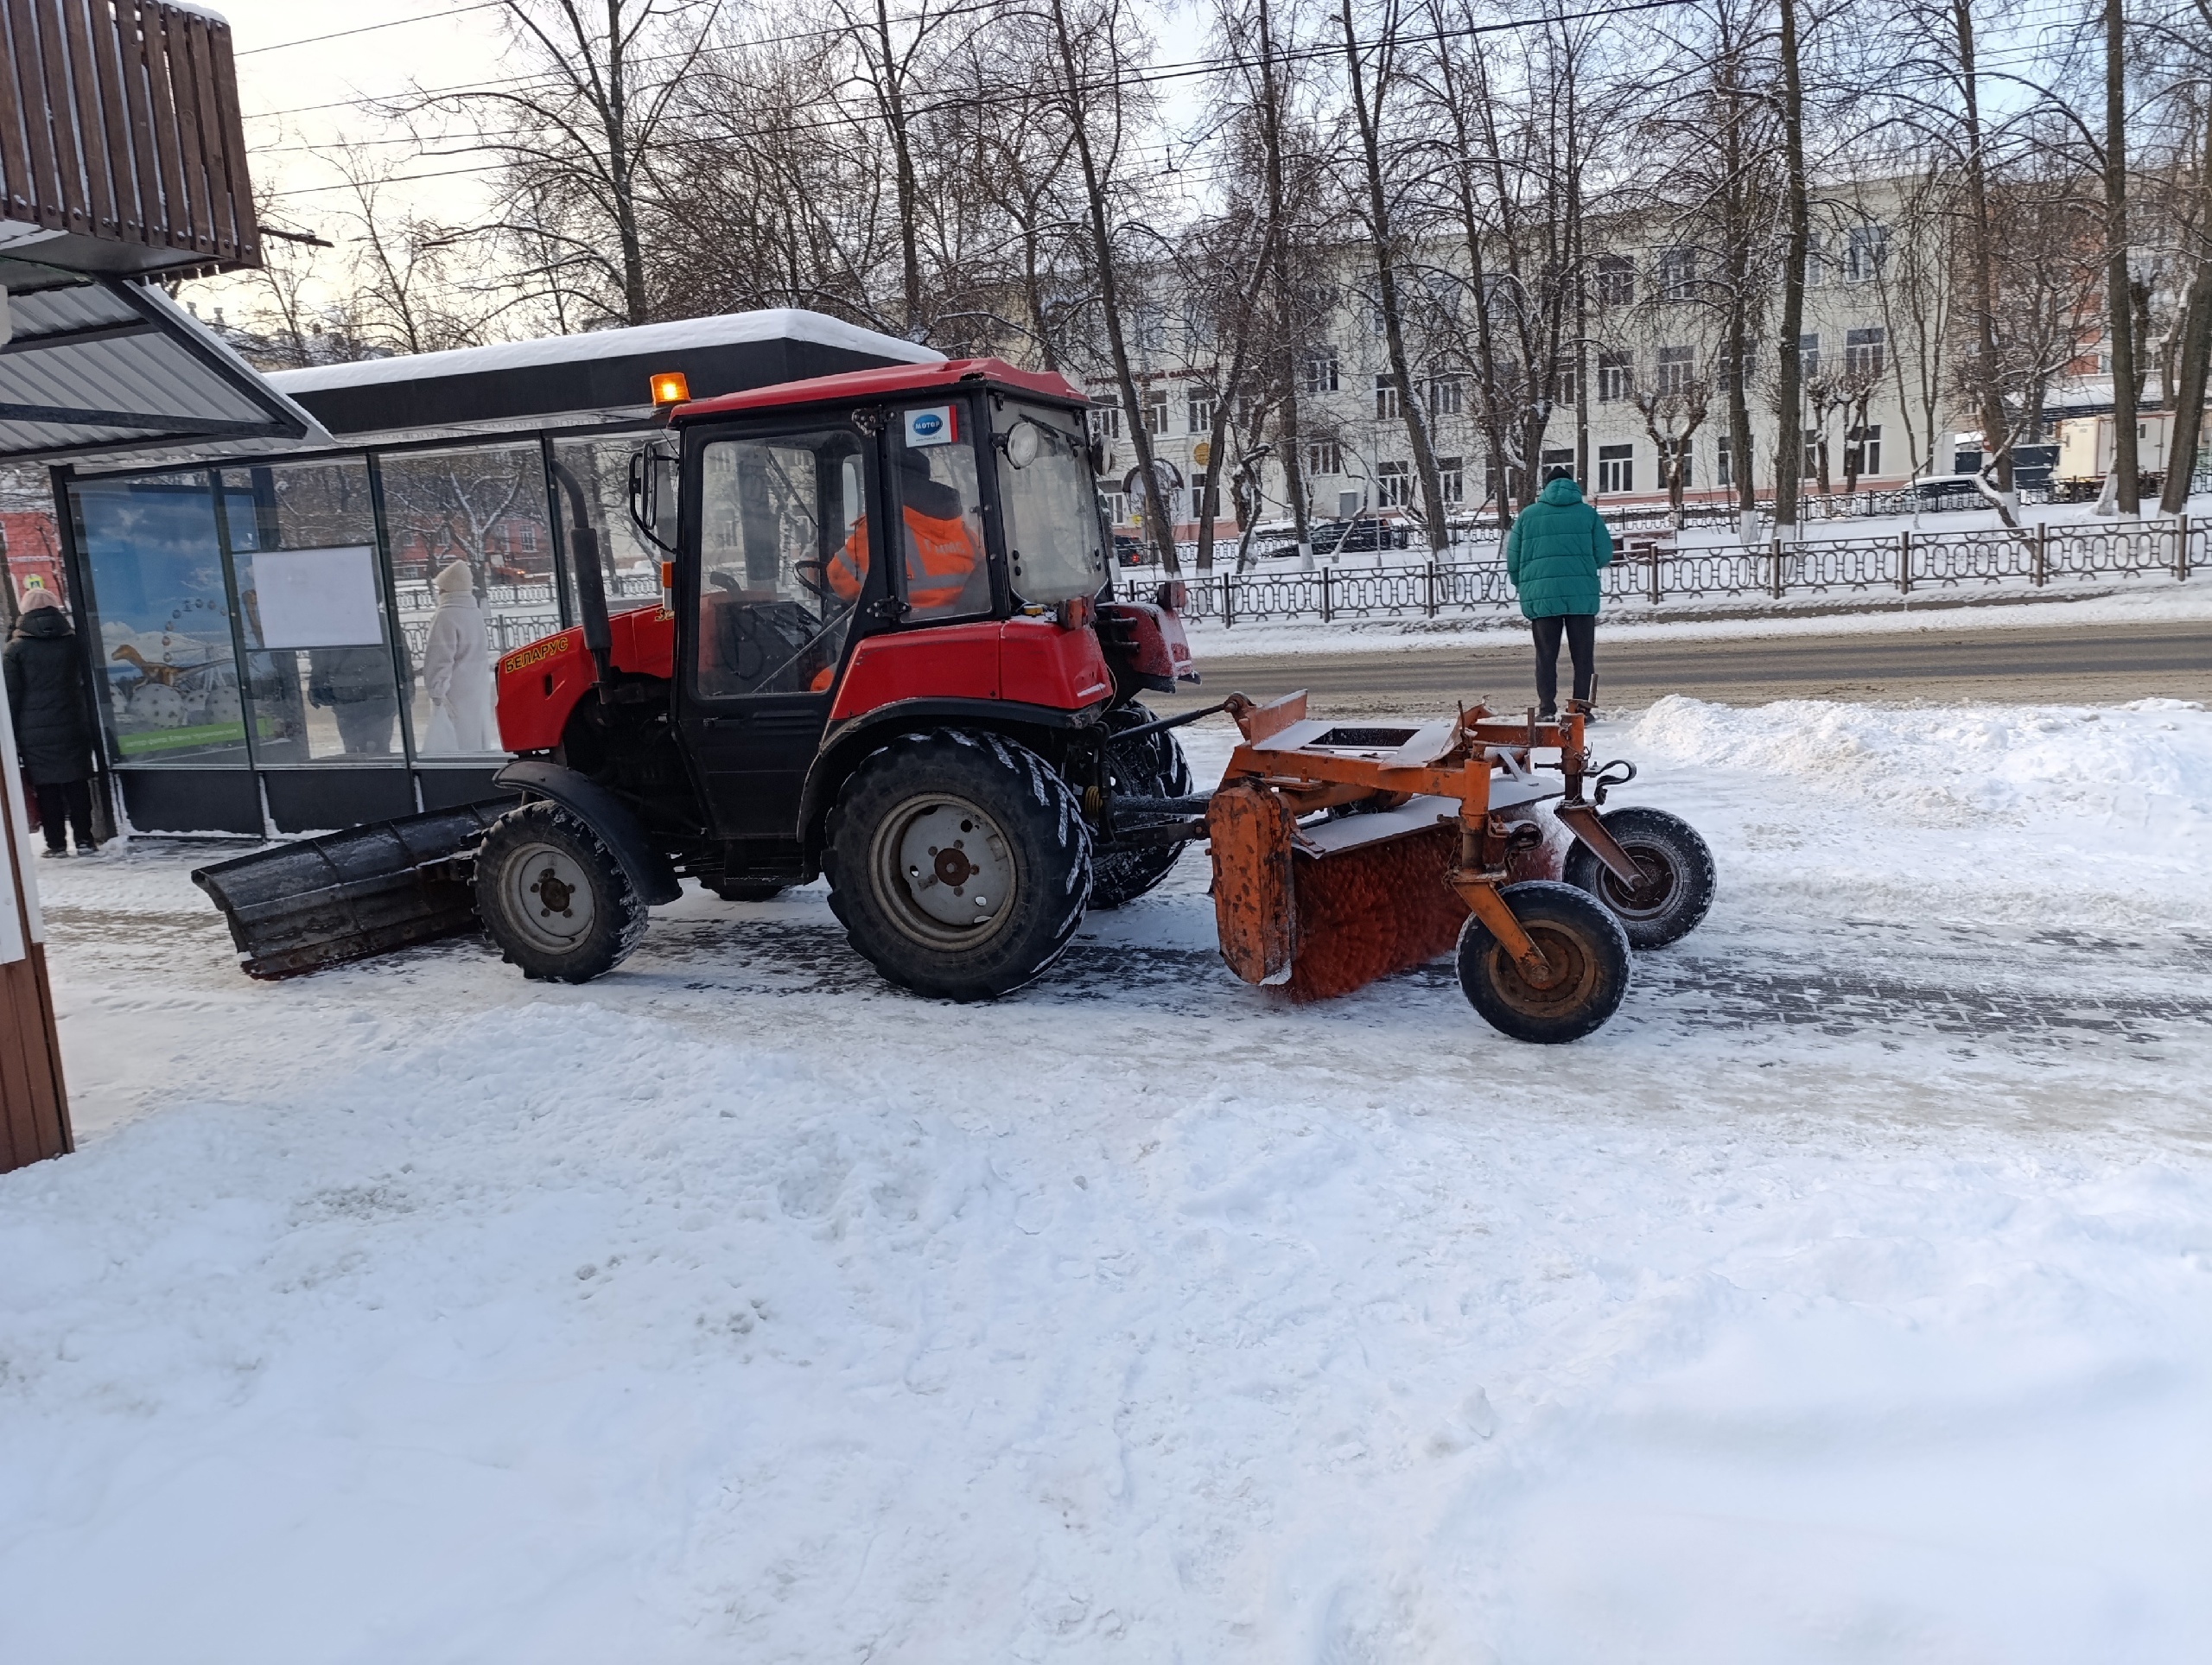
(1906, 564)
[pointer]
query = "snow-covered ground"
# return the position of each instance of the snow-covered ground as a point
(1849, 1298)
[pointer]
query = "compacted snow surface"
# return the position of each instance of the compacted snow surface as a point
(1848, 1298)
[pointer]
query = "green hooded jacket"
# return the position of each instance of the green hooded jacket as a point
(1554, 551)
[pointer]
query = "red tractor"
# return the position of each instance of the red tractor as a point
(882, 654)
(879, 655)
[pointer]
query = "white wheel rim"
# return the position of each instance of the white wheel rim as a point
(944, 870)
(549, 895)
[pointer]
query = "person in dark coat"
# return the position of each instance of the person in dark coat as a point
(1552, 557)
(53, 724)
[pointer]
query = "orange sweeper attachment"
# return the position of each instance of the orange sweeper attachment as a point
(1343, 852)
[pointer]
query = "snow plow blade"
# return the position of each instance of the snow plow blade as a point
(346, 895)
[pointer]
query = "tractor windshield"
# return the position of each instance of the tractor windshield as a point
(1054, 547)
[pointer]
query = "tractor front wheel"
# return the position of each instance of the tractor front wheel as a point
(1678, 878)
(553, 899)
(1152, 766)
(959, 864)
(1588, 955)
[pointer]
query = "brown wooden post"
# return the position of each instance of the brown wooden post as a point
(34, 1104)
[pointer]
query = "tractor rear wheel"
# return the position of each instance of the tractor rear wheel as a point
(1678, 877)
(553, 899)
(1153, 767)
(959, 864)
(1585, 946)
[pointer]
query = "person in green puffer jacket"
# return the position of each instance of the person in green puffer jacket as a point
(1552, 557)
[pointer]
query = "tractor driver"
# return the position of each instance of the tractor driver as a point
(942, 551)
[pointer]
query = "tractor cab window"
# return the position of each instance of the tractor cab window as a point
(783, 548)
(1054, 548)
(941, 515)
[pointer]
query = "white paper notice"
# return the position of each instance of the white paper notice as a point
(318, 598)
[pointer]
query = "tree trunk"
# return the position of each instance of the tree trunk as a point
(2120, 293)
(2194, 367)
(1989, 391)
(1790, 443)
(894, 113)
(1101, 242)
(1381, 238)
(1287, 308)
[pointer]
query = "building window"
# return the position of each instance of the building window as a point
(1677, 367)
(1106, 417)
(1614, 379)
(1616, 280)
(1864, 352)
(1561, 457)
(1452, 478)
(1724, 461)
(1250, 413)
(1443, 396)
(1816, 456)
(1325, 457)
(1321, 369)
(1864, 253)
(1393, 485)
(1201, 413)
(529, 539)
(1117, 507)
(1149, 325)
(1678, 274)
(1862, 451)
(1387, 407)
(1817, 263)
(1155, 413)
(1808, 356)
(1617, 468)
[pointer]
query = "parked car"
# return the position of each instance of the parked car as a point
(1130, 550)
(1362, 533)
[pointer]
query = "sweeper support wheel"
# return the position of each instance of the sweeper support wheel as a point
(1588, 957)
(1678, 879)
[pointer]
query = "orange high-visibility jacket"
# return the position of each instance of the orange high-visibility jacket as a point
(941, 553)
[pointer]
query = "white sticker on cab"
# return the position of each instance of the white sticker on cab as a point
(932, 426)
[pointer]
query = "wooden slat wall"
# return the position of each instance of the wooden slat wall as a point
(119, 120)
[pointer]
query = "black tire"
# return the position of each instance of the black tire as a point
(1568, 925)
(747, 890)
(922, 828)
(585, 924)
(1153, 766)
(1678, 890)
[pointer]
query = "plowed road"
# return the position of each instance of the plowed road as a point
(2100, 663)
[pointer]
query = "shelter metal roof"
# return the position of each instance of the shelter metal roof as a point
(108, 365)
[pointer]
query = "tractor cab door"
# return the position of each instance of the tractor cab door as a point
(784, 569)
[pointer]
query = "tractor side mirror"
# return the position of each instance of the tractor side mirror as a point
(652, 495)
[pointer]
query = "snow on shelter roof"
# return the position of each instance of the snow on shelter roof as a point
(602, 371)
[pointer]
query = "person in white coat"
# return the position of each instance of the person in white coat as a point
(457, 669)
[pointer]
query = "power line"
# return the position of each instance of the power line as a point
(1184, 70)
(370, 28)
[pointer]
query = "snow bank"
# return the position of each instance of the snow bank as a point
(735, 1307)
(2083, 816)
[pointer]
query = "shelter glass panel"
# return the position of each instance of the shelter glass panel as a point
(472, 567)
(320, 676)
(161, 649)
